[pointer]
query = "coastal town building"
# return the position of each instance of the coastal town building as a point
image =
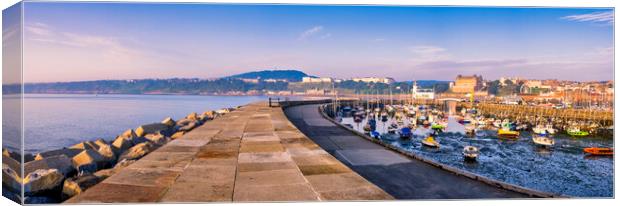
(419, 93)
(385, 80)
(317, 80)
(467, 84)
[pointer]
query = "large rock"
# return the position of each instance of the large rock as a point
(90, 161)
(177, 135)
(60, 162)
(16, 155)
(100, 142)
(138, 140)
(105, 173)
(189, 126)
(42, 180)
(129, 134)
(208, 115)
(136, 152)
(10, 178)
(85, 145)
(121, 144)
(76, 185)
(69, 152)
(107, 153)
(157, 139)
(153, 129)
(192, 116)
(168, 122)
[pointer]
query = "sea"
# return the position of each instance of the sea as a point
(53, 121)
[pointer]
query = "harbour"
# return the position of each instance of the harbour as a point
(561, 167)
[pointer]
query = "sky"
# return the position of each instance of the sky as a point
(93, 41)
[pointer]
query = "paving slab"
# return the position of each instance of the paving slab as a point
(251, 154)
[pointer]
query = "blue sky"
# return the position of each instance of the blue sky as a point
(87, 41)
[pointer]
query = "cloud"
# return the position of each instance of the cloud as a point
(39, 29)
(426, 53)
(325, 36)
(379, 40)
(606, 17)
(310, 32)
(424, 50)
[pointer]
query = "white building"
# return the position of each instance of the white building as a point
(385, 80)
(317, 80)
(418, 93)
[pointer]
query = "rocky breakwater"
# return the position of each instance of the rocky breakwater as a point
(54, 176)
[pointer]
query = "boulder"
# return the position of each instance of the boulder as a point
(192, 116)
(121, 144)
(69, 152)
(12, 163)
(157, 139)
(137, 151)
(89, 161)
(138, 140)
(188, 127)
(10, 178)
(42, 180)
(129, 134)
(85, 145)
(208, 115)
(168, 122)
(107, 153)
(17, 155)
(105, 173)
(152, 129)
(101, 142)
(76, 185)
(177, 135)
(62, 163)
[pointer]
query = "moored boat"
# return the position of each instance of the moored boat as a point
(576, 132)
(470, 152)
(405, 133)
(543, 140)
(505, 132)
(599, 151)
(430, 142)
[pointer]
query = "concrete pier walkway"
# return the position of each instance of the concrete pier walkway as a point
(400, 176)
(251, 154)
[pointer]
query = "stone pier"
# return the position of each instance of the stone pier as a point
(251, 154)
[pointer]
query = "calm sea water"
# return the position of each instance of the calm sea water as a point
(561, 169)
(54, 121)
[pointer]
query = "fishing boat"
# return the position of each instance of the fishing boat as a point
(550, 129)
(470, 152)
(392, 128)
(576, 132)
(430, 142)
(599, 151)
(375, 134)
(470, 129)
(543, 140)
(506, 132)
(405, 133)
(437, 126)
(497, 123)
(539, 129)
